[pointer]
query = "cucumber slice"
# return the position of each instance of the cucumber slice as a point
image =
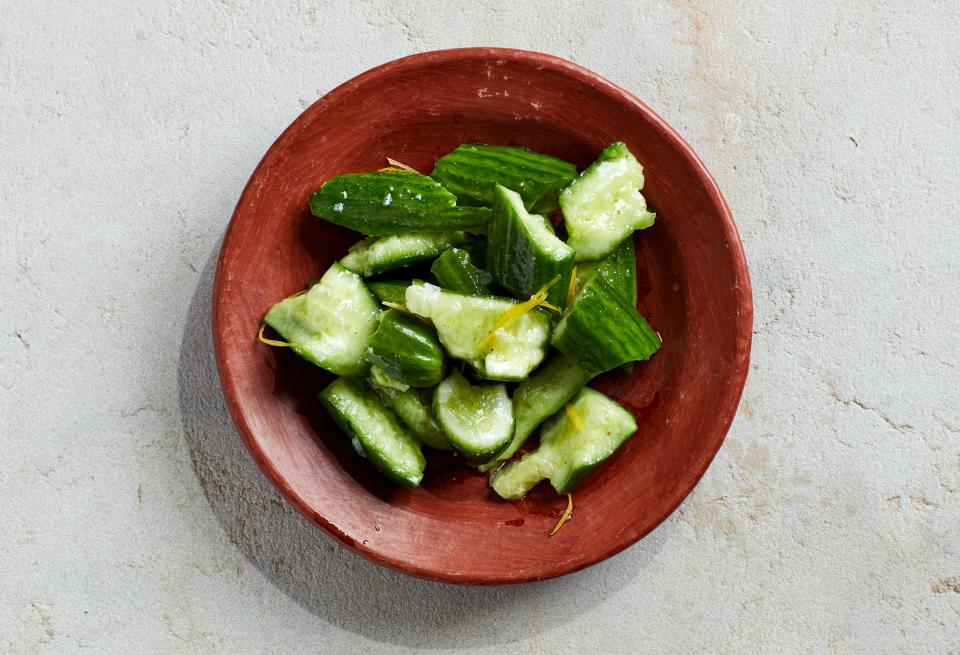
(413, 409)
(538, 397)
(455, 271)
(523, 253)
(463, 323)
(603, 206)
(601, 331)
(568, 452)
(472, 170)
(383, 440)
(406, 349)
(330, 323)
(385, 203)
(381, 378)
(377, 255)
(394, 291)
(619, 269)
(476, 419)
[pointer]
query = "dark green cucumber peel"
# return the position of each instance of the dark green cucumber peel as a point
(407, 349)
(390, 290)
(569, 449)
(471, 171)
(523, 253)
(375, 429)
(330, 323)
(412, 407)
(376, 255)
(455, 271)
(619, 269)
(537, 398)
(476, 419)
(602, 331)
(386, 203)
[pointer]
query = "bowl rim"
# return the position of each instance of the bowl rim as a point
(744, 323)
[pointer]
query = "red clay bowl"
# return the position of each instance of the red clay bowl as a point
(694, 288)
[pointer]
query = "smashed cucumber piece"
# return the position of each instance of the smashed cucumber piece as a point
(392, 291)
(476, 419)
(603, 206)
(572, 444)
(619, 270)
(407, 350)
(377, 255)
(454, 270)
(412, 407)
(330, 323)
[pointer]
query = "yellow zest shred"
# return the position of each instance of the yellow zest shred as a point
(398, 307)
(575, 417)
(270, 342)
(400, 165)
(539, 299)
(572, 288)
(567, 514)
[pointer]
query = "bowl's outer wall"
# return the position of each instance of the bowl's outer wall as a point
(694, 289)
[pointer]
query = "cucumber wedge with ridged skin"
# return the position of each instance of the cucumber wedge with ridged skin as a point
(476, 419)
(454, 270)
(393, 291)
(377, 255)
(330, 323)
(537, 398)
(385, 203)
(412, 407)
(619, 270)
(569, 449)
(603, 206)
(407, 349)
(471, 171)
(377, 432)
(602, 331)
(463, 323)
(523, 253)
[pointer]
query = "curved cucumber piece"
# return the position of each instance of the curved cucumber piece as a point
(619, 270)
(384, 203)
(383, 440)
(455, 271)
(603, 206)
(330, 323)
(413, 409)
(568, 452)
(523, 253)
(406, 349)
(477, 420)
(378, 255)
(471, 171)
(601, 331)
(538, 397)
(394, 291)
(463, 323)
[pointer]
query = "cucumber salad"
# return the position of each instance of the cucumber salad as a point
(465, 321)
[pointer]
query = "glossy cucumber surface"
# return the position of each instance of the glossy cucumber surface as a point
(407, 349)
(454, 270)
(377, 255)
(476, 419)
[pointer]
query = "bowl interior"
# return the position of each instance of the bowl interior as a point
(693, 288)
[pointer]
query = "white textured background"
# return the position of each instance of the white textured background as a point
(132, 520)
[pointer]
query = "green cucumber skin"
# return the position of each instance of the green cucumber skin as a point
(455, 271)
(407, 349)
(471, 171)
(394, 202)
(394, 291)
(456, 390)
(376, 255)
(601, 331)
(537, 398)
(360, 414)
(619, 270)
(415, 412)
(521, 259)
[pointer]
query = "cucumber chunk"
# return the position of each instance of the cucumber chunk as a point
(382, 439)
(463, 323)
(394, 291)
(412, 407)
(385, 203)
(523, 253)
(330, 323)
(601, 331)
(377, 255)
(538, 397)
(455, 271)
(603, 206)
(406, 349)
(619, 269)
(471, 171)
(569, 452)
(476, 419)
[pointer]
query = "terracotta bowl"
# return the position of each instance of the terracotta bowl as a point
(694, 288)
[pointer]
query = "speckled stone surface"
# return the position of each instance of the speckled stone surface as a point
(135, 522)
